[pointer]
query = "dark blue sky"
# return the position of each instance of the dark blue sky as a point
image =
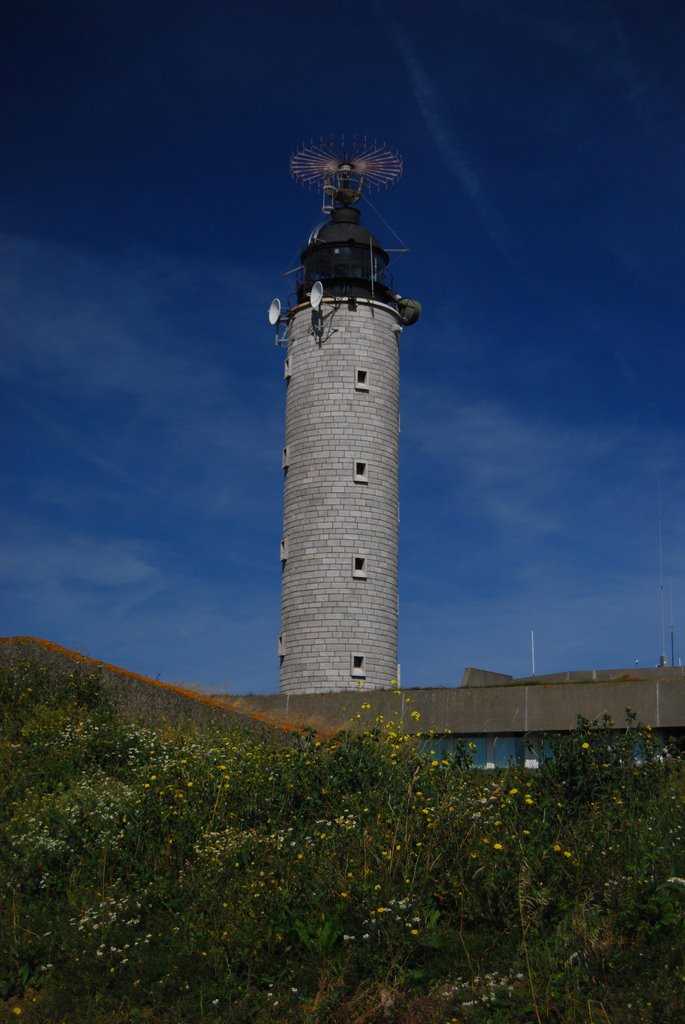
(147, 217)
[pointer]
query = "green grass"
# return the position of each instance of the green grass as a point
(170, 875)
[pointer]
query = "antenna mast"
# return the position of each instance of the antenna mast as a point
(670, 587)
(343, 171)
(663, 660)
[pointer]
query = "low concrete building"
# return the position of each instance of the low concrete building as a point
(505, 719)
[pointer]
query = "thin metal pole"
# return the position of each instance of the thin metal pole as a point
(532, 648)
(670, 587)
(662, 660)
(371, 268)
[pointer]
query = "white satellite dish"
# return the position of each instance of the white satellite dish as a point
(275, 311)
(316, 294)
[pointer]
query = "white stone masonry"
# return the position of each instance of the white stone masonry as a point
(340, 535)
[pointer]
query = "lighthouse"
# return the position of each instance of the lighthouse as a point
(340, 458)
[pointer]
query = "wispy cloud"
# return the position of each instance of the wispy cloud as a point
(127, 602)
(602, 41)
(541, 474)
(80, 558)
(567, 28)
(142, 436)
(438, 122)
(533, 523)
(73, 322)
(94, 356)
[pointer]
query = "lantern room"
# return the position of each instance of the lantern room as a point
(346, 258)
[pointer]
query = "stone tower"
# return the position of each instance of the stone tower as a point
(339, 545)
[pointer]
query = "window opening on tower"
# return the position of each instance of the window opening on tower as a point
(358, 666)
(361, 379)
(361, 472)
(359, 567)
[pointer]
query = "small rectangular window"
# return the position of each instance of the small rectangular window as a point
(284, 549)
(358, 666)
(281, 646)
(361, 472)
(287, 368)
(361, 379)
(285, 460)
(359, 567)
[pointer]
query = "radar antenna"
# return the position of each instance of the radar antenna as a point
(345, 170)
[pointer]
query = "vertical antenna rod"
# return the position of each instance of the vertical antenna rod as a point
(670, 587)
(663, 660)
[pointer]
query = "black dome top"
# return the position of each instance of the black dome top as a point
(343, 227)
(346, 258)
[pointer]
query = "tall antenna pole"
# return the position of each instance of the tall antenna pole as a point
(670, 587)
(663, 660)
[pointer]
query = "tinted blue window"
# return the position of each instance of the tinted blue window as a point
(480, 754)
(509, 750)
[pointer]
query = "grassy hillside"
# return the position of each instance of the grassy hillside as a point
(171, 874)
(137, 697)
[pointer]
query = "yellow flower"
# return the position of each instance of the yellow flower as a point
(414, 931)
(344, 895)
(585, 746)
(498, 846)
